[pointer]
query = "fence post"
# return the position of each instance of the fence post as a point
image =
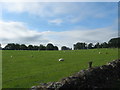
(90, 64)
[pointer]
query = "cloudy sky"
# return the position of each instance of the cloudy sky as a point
(60, 23)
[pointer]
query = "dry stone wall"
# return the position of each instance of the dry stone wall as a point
(97, 77)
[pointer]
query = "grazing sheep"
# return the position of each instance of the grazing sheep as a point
(61, 59)
(99, 52)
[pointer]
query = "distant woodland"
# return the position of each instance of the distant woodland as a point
(112, 43)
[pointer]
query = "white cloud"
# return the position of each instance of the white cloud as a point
(37, 8)
(56, 21)
(70, 12)
(17, 32)
(31, 8)
(73, 36)
(51, 9)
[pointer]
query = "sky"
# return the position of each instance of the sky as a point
(59, 23)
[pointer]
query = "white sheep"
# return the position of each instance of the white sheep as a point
(99, 52)
(61, 59)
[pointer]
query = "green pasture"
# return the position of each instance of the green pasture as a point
(24, 71)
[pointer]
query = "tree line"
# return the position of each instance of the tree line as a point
(13, 46)
(112, 43)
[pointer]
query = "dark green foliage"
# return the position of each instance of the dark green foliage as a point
(35, 47)
(0, 47)
(42, 47)
(10, 46)
(65, 48)
(97, 45)
(114, 42)
(79, 45)
(49, 46)
(56, 48)
(17, 46)
(23, 47)
(30, 47)
(104, 45)
(90, 46)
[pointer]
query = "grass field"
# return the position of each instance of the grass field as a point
(24, 71)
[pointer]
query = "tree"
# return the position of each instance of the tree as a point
(35, 47)
(41, 47)
(90, 46)
(97, 45)
(0, 47)
(49, 46)
(114, 42)
(10, 46)
(65, 48)
(56, 48)
(23, 47)
(17, 47)
(104, 45)
(79, 45)
(30, 47)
